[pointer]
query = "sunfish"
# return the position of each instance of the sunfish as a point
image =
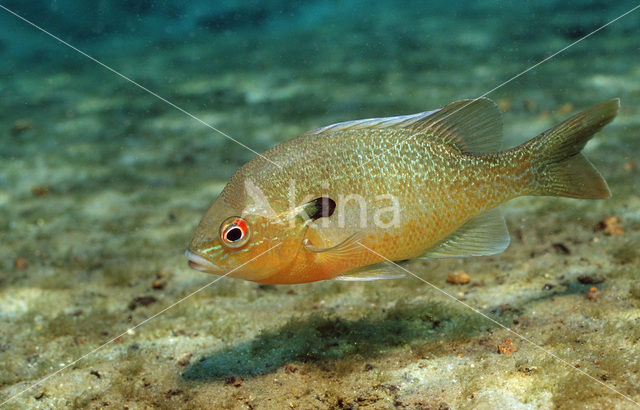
(347, 197)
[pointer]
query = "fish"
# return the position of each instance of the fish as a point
(346, 200)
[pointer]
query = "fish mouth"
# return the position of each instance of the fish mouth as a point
(197, 262)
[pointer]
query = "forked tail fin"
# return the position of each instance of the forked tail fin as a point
(560, 169)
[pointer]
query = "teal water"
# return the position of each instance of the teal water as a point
(102, 185)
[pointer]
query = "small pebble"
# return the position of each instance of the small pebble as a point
(184, 359)
(591, 279)
(142, 301)
(561, 248)
(504, 104)
(611, 226)
(629, 166)
(507, 347)
(21, 126)
(20, 263)
(565, 108)
(459, 278)
(41, 190)
(236, 381)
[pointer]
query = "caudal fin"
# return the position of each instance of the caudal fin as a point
(560, 168)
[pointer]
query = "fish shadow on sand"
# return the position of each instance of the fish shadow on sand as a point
(323, 338)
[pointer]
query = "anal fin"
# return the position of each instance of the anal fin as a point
(378, 271)
(486, 234)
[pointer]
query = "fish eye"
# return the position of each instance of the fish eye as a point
(234, 232)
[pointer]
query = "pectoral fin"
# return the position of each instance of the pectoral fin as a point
(345, 247)
(485, 234)
(346, 250)
(343, 251)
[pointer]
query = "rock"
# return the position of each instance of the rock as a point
(20, 263)
(184, 359)
(141, 301)
(507, 347)
(559, 247)
(591, 279)
(41, 190)
(610, 226)
(21, 126)
(459, 278)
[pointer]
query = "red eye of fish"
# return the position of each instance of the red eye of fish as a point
(234, 232)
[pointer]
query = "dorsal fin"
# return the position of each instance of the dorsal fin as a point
(471, 126)
(400, 121)
(486, 234)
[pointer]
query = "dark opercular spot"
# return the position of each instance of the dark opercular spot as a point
(322, 207)
(234, 234)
